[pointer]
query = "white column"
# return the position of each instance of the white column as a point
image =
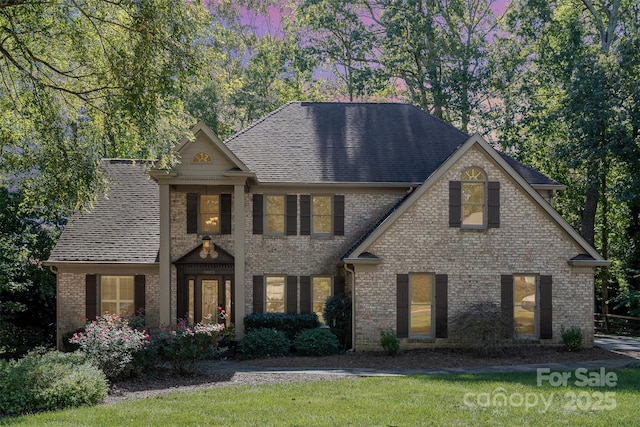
(239, 232)
(165, 254)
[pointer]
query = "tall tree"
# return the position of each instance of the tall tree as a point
(438, 49)
(567, 60)
(85, 79)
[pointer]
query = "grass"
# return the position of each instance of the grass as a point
(380, 401)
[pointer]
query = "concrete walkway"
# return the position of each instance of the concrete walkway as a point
(613, 343)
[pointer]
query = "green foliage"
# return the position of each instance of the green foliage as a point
(264, 342)
(316, 342)
(337, 315)
(572, 338)
(111, 343)
(27, 288)
(290, 324)
(482, 326)
(50, 381)
(182, 345)
(389, 341)
(630, 300)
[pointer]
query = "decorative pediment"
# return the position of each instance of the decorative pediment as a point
(198, 256)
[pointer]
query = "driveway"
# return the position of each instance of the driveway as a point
(617, 343)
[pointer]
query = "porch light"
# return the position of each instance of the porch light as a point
(208, 248)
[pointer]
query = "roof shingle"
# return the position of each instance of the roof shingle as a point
(121, 227)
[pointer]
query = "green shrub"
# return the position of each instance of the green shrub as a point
(483, 327)
(389, 342)
(182, 345)
(290, 324)
(316, 342)
(263, 343)
(337, 315)
(572, 338)
(50, 381)
(111, 342)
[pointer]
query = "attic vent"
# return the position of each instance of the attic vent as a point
(201, 158)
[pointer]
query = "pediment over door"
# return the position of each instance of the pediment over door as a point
(194, 257)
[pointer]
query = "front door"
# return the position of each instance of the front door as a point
(207, 295)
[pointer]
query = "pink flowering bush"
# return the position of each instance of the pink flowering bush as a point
(111, 343)
(181, 345)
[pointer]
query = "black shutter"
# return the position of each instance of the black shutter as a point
(182, 303)
(305, 215)
(258, 294)
(225, 214)
(402, 306)
(305, 295)
(91, 299)
(258, 214)
(455, 203)
(292, 215)
(441, 305)
(546, 312)
(338, 215)
(292, 294)
(506, 302)
(138, 292)
(192, 213)
(338, 286)
(493, 205)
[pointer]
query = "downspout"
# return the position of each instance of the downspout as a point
(353, 307)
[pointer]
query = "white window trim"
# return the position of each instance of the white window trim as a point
(118, 301)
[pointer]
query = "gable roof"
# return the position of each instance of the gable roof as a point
(370, 236)
(122, 227)
(336, 142)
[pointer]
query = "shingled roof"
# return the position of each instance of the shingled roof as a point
(121, 227)
(334, 142)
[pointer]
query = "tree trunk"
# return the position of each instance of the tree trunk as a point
(587, 227)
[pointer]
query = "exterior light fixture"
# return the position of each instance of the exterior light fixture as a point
(208, 248)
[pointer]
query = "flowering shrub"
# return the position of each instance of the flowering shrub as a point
(111, 342)
(182, 345)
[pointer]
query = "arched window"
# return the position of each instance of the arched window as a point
(474, 189)
(201, 158)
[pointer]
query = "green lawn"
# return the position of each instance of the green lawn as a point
(452, 400)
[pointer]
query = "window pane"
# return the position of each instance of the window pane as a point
(473, 174)
(275, 294)
(192, 303)
(322, 215)
(321, 291)
(210, 299)
(322, 205)
(524, 307)
(322, 224)
(210, 213)
(421, 289)
(420, 320)
(421, 295)
(116, 294)
(473, 203)
(275, 215)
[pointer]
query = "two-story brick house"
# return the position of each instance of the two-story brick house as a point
(412, 218)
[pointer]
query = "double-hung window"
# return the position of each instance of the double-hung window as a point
(321, 215)
(274, 217)
(275, 294)
(321, 290)
(117, 294)
(473, 198)
(525, 307)
(209, 214)
(421, 305)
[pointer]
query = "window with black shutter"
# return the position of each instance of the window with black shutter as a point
(474, 203)
(208, 213)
